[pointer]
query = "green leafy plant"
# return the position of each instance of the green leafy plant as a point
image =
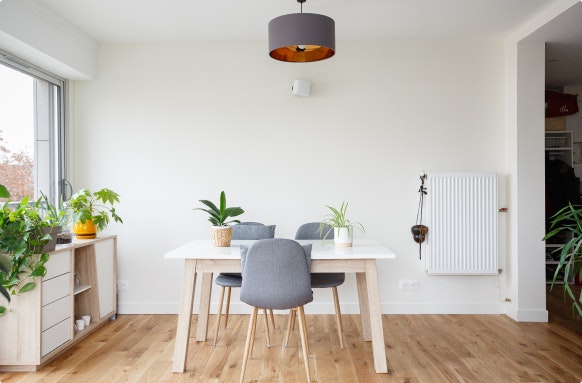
(94, 206)
(337, 218)
(51, 214)
(219, 216)
(22, 239)
(568, 219)
(4, 193)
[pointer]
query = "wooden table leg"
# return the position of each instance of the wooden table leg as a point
(184, 316)
(375, 317)
(204, 312)
(364, 306)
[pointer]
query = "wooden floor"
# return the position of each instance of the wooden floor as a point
(420, 348)
(561, 310)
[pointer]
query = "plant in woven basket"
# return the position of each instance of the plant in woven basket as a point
(219, 217)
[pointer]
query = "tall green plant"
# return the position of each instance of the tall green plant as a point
(568, 219)
(218, 216)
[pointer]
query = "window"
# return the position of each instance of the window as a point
(32, 131)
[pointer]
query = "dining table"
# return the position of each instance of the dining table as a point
(201, 257)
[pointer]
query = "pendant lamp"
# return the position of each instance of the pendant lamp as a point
(301, 37)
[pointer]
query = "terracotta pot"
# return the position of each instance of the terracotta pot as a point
(86, 230)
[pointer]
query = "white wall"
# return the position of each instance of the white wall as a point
(167, 125)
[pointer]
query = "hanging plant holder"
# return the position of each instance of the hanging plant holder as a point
(419, 231)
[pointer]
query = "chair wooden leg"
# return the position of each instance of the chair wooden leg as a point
(268, 336)
(303, 332)
(272, 318)
(304, 324)
(293, 319)
(338, 317)
(248, 344)
(291, 313)
(253, 338)
(227, 306)
(219, 314)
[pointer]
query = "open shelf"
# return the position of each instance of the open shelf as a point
(82, 288)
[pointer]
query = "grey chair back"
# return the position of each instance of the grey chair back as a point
(275, 274)
(252, 230)
(310, 231)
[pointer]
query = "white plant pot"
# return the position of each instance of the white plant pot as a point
(342, 237)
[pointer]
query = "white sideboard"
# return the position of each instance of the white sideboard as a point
(80, 280)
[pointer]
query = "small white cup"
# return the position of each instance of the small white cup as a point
(80, 324)
(87, 319)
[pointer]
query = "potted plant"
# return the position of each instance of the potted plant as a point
(569, 220)
(22, 255)
(343, 228)
(54, 220)
(92, 211)
(218, 216)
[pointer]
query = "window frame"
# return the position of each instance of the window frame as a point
(58, 185)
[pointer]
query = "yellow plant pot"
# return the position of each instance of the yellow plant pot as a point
(86, 230)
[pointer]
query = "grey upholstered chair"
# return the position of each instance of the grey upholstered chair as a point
(275, 275)
(242, 231)
(322, 280)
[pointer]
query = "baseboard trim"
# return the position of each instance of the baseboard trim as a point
(528, 315)
(328, 308)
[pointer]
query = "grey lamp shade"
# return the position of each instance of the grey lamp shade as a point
(301, 37)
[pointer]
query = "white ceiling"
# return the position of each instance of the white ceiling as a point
(179, 20)
(128, 21)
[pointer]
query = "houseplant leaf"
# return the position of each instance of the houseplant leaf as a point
(568, 219)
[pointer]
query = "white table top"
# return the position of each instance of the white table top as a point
(361, 249)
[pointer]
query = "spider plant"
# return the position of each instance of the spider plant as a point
(337, 218)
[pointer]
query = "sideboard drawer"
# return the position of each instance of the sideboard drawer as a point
(59, 263)
(56, 312)
(56, 288)
(56, 335)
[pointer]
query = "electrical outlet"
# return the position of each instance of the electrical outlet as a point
(408, 284)
(122, 285)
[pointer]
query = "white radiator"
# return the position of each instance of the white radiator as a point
(462, 223)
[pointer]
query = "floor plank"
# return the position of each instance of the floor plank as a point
(419, 348)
